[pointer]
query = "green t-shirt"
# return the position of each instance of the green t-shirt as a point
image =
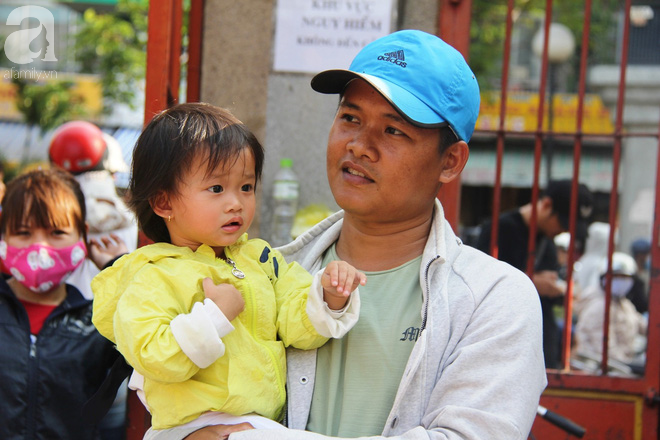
(357, 377)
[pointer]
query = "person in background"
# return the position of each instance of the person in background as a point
(81, 148)
(640, 250)
(52, 357)
(203, 315)
(588, 267)
(449, 341)
(552, 217)
(626, 323)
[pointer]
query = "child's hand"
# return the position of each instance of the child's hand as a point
(225, 296)
(339, 280)
(106, 248)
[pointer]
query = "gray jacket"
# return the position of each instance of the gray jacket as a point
(476, 371)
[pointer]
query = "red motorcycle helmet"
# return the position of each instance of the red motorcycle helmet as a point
(77, 146)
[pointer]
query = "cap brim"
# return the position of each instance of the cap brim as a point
(408, 105)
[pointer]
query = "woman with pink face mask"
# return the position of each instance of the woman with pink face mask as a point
(52, 357)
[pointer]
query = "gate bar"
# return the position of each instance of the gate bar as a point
(614, 194)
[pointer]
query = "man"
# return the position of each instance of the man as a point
(448, 344)
(552, 218)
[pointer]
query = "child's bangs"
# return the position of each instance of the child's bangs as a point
(41, 207)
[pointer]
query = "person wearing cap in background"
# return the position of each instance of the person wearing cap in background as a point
(449, 344)
(627, 326)
(552, 218)
(92, 156)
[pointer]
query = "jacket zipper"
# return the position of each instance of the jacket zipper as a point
(426, 293)
(409, 373)
(33, 378)
(249, 296)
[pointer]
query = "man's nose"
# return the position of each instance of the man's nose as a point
(363, 144)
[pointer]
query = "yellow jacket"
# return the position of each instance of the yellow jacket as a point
(136, 300)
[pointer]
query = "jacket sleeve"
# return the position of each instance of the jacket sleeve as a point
(304, 321)
(327, 322)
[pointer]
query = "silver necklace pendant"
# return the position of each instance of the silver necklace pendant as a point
(235, 270)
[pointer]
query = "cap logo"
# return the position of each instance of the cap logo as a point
(396, 57)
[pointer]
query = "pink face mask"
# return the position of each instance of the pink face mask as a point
(42, 268)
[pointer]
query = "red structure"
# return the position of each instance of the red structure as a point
(609, 407)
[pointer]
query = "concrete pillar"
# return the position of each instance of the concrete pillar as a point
(639, 154)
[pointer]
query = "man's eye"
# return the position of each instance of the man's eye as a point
(216, 189)
(348, 117)
(392, 130)
(247, 187)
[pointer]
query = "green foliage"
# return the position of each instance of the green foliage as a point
(46, 104)
(487, 31)
(113, 45)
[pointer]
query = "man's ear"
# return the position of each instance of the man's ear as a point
(161, 205)
(454, 159)
(546, 204)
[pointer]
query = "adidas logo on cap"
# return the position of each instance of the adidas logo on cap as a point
(396, 57)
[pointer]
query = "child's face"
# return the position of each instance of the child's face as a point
(213, 209)
(54, 237)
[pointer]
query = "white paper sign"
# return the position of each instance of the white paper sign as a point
(315, 35)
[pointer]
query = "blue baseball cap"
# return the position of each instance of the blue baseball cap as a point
(425, 79)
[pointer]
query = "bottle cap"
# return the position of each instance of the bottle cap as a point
(286, 162)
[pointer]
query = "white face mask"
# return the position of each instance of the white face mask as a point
(620, 286)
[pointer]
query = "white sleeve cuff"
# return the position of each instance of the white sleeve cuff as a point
(331, 323)
(199, 333)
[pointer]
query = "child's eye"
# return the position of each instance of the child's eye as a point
(247, 187)
(216, 189)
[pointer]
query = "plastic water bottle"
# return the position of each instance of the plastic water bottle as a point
(285, 196)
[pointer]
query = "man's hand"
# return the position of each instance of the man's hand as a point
(339, 280)
(225, 296)
(106, 248)
(218, 432)
(547, 285)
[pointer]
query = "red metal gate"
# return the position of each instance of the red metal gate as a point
(608, 406)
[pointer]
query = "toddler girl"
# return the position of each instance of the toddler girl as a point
(204, 314)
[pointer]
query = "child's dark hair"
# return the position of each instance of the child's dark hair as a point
(167, 147)
(43, 199)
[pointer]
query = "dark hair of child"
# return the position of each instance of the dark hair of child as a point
(43, 199)
(165, 151)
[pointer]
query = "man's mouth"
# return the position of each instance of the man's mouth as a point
(353, 172)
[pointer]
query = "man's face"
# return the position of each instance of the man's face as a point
(380, 167)
(548, 219)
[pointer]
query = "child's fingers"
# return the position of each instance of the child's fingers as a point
(344, 278)
(360, 279)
